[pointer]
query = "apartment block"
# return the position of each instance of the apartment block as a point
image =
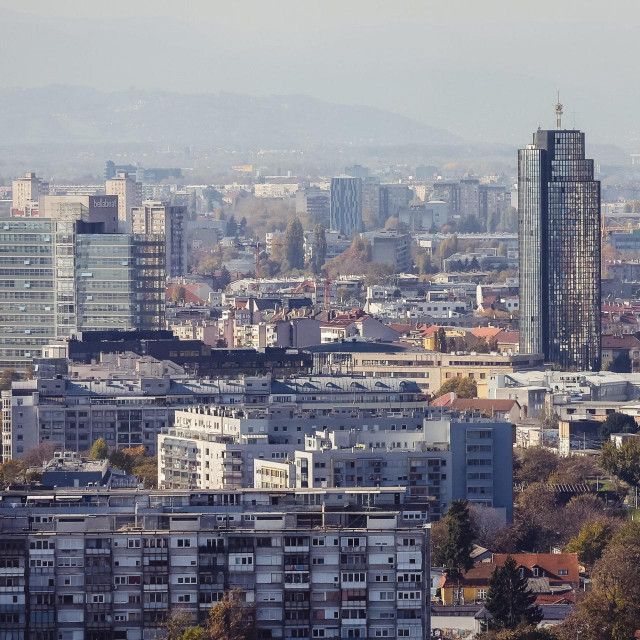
(26, 194)
(310, 564)
(159, 218)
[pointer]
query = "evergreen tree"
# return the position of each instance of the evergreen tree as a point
(441, 340)
(319, 248)
(99, 450)
(509, 601)
(294, 245)
(456, 552)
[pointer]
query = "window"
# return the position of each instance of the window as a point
(563, 572)
(183, 542)
(481, 594)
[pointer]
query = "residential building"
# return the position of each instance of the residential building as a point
(314, 203)
(393, 198)
(160, 218)
(346, 205)
(311, 563)
(434, 213)
(546, 573)
(355, 323)
(26, 194)
(559, 229)
(129, 194)
(469, 197)
(616, 346)
(275, 190)
(393, 248)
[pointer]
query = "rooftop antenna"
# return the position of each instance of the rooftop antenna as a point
(558, 109)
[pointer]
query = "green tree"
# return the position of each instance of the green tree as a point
(7, 377)
(617, 423)
(294, 245)
(319, 253)
(623, 462)
(456, 550)
(147, 472)
(462, 387)
(590, 542)
(99, 450)
(621, 363)
(509, 601)
(526, 632)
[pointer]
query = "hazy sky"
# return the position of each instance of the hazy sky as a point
(485, 70)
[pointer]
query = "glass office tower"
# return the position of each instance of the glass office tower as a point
(559, 237)
(346, 205)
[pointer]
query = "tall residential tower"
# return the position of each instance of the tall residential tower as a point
(346, 205)
(559, 233)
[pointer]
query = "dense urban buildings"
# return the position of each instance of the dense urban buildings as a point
(325, 563)
(559, 232)
(129, 193)
(346, 205)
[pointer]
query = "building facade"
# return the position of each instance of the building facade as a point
(59, 276)
(26, 194)
(559, 231)
(129, 194)
(346, 205)
(159, 218)
(308, 564)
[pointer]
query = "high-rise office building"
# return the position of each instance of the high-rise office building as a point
(559, 232)
(346, 204)
(129, 194)
(62, 275)
(159, 218)
(26, 194)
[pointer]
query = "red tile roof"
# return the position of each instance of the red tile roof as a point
(550, 562)
(444, 400)
(482, 404)
(620, 342)
(486, 332)
(508, 337)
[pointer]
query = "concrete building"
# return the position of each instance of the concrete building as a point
(434, 213)
(160, 218)
(393, 198)
(469, 197)
(314, 203)
(393, 248)
(129, 194)
(91, 207)
(329, 563)
(346, 205)
(26, 194)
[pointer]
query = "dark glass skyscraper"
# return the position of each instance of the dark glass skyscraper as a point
(559, 235)
(346, 205)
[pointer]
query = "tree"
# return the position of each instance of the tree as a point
(612, 608)
(294, 245)
(99, 450)
(230, 619)
(7, 377)
(590, 542)
(319, 253)
(486, 523)
(526, 632)
(621, 363)
(456, 551)
(462, 387)
(535, 520)
(441, 340)
(147, 472)
(10, 472)
(623, 462)
(535, 464)
(509, 601)
(178, 294)
(618, 423)
(39, 455)
(177, 623)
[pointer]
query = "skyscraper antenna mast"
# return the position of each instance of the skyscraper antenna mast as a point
(558, 109)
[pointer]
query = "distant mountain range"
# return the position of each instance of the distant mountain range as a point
(60, 114)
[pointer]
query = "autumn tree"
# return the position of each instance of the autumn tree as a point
(524, 632)
(535, 464)
(455, 554)
(509, 600)
(7, 377)
(293, 245)
(99, 450)
(178, 294)
(39, 455)
(231, 619)
(590, 542)
(622, 462)
(11, 471)
(462, 387)
(612, 608)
